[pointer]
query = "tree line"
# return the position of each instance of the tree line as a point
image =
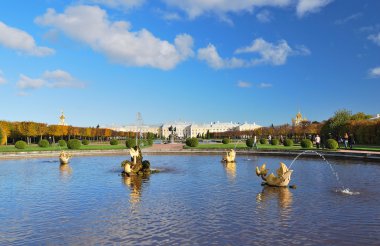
(32, 132)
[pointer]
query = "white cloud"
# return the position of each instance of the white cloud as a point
(268, 53)
(211, 56)
(61, 79)
(310, 6)
(2, 79)
(264, 16)
(375, 38)
(117, 4)
(348, 19)
(243, 84)
(375, 72)
(264, 85)
(53, 79)
(28, 83)
(21, 41)
(90, 25)
(196, 8)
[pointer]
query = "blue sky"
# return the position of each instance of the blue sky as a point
(192, 60)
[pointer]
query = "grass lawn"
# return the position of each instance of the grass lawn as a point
(35, 147)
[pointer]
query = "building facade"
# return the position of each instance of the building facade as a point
(186, 130)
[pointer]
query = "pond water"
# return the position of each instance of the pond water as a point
(195, 200)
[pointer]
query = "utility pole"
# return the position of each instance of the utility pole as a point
(139, 123)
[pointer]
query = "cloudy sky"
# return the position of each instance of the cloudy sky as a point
(102, 61)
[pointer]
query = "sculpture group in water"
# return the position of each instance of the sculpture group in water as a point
(281, 180)
(229, 157)
(136, 166)
(64, 157)
(283, 172)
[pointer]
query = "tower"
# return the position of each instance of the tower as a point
(296, 121)
(62, 120)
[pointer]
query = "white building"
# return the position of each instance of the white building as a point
(186, 130)
(375, 117)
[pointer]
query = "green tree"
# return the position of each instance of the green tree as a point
(360, 116)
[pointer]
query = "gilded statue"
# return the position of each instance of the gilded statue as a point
(282, 178)
(229, 156)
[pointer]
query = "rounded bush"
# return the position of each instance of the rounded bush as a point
(288, 142)
(114, 142)
(62, 143)
(85, 142)
(130, 142)
(306, 144)
(226, 141)
(249, 142)
(74, 144)
(332, 144)
(274, 142)
(264, 141)
(43, 143)
(192, 142)
(20, 144)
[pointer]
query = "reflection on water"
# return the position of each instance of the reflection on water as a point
(135, 184)
(282, 195)
(65, 171)
(230, 168)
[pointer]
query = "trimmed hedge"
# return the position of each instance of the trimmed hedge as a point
(130, 142)
(74, 144)
(192, 142)
(274, 142)
(306, 144)
(249, 142)
(20, 144)
(226, 141)
(43, 143)
(62, 143)
(288, 142)
(114, 142)
(263, 141)
(332, 144)
(85, 142)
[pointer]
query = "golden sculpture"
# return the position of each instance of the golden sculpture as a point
(282, 178)
(229, 156)
(64, 157)
(134, 154)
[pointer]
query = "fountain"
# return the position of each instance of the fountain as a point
(229, 157)
(64, 157)
(281, 180)
(136, 166)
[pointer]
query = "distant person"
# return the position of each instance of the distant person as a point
(317, 141)
(351, 140)
(269, 138)
(281, 139)
(345, 140)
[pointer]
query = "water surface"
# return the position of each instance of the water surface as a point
(195, 200)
